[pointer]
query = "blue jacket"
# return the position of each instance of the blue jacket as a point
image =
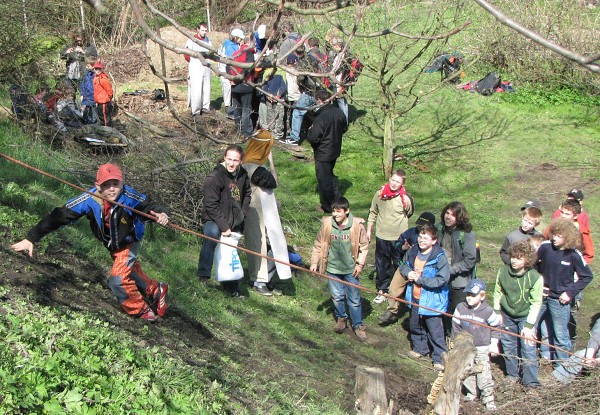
(433, 281)
(126, 227)
(87, 89)
(229, 47)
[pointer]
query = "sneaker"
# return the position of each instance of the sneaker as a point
(340, 325)
(416, 355)
(380, 298)
(161, 304)
(236, 294)
(261, 288)
(490, 407)
(469, 397)
(148, 315)
(360, 333)
(290, 142)
(387, 318)
(438, 366)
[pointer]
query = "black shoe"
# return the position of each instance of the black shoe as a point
(262, 289)
(387, 318)
(204, 280)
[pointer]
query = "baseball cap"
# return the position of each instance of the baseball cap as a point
(475, 286)
(577, 194)
(98, 65)
(108, 172)
(426, 218)
(238, 33)
(531, 203)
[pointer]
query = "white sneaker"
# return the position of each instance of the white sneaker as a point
(290, 142)
(380, 298)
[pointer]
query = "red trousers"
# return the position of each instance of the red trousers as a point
(133, 288)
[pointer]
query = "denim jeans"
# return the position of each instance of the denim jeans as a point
(305, 101)
(342, 294)
(568, 369)
(207, 253)
(546, 333)
(343, 104)
(386, 263)
(514, 348)
(559, 321)
(427, 335)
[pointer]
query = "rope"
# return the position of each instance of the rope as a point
(360, 287)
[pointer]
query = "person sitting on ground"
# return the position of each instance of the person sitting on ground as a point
(584, 358)
(121, 231)
(427, 270)
(475, 309)
(340, 250)
(227, 195)
(518, 297)
(398, 284)
(390, 209)
(103, 95)
(531, 216)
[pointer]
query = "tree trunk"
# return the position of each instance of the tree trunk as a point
(370, 391)
(388, 144)
(459, 363)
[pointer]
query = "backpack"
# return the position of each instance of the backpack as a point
(320, 63)
(488, 84)
(448, 64)
(241, 56)
(355, 67)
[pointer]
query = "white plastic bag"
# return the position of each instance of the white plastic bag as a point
(227, 261)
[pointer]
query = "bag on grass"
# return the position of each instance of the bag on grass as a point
(488, 84)
(227, 260)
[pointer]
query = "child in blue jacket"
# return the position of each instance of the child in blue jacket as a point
(427, 270)
(88, 105)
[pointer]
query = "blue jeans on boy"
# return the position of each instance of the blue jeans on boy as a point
(559, 323)
(568, 369)
(427, 335)
(511, 346)
(305, 101)
(207, 253)
(546, 333)
(342, 294)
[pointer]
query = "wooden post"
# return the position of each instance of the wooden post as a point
(459, 363)
(370, 391)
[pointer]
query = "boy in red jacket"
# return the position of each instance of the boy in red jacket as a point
(103, 95)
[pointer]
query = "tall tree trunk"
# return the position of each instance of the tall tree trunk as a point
(388, 143)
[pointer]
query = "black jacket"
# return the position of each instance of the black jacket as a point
(325, 134)
(226, 198)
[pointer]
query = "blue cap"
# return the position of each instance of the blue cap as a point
(475, 286)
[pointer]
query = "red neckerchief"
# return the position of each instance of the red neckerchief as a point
(106, 214)
(386, 193)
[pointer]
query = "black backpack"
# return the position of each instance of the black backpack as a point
(488, 84)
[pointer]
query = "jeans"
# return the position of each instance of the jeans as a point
(343, 104)
(546, 333)
(242, 112)
(305, 101)
(427, 335)
(207, 253)
(515, 348)
(386, 260)
(342, 294)
(559, 321)
(568, 369)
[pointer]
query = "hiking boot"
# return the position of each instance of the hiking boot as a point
(380, 298)
(159, 299)
(490, 407)
(340, 325)
(261, 288)
(438, 366)
(360, 333)
(387, 318)
(148, 315)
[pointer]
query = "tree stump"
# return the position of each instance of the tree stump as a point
(370, 391)
(459, 364)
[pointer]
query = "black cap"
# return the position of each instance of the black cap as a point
(531, 203)
(426, 218)
(577, 194)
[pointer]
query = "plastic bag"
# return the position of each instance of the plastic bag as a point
(227, 260)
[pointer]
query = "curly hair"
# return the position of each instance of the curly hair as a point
(523, 249)
(460, 213)
(567, 230)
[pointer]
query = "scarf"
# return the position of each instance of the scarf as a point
(386, 193)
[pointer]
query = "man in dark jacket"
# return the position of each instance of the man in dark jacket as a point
(325, 137)
(226, 200)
